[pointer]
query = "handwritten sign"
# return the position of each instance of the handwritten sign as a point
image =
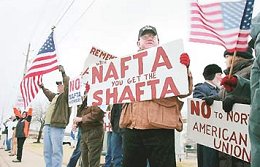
(96, 57)
(226, 132)
(150, 74)
(75, 95)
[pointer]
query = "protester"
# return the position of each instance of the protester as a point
(117, 136)
(90, 120)
(107, 127)
(254, 118)
(143, 140)
(22, 130)
(14, 139)
(237, 85)
(56, 120)
(76, 153)
(8, 139)
(241, 67)
(3, 136)
(208, 157)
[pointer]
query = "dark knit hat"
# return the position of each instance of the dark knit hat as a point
(210, 71)
(246, 54)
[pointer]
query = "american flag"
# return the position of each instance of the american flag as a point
(44, 62)
(225, 23)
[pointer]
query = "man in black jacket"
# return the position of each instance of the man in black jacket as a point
(117, 133)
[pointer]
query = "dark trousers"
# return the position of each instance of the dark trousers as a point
(76, 153)
(20, 143)
(154, 145)
(207, 157)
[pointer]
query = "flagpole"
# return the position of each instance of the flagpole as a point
(232, 64)
(52, 29)
(26, 60)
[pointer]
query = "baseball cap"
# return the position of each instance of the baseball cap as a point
(145, 29)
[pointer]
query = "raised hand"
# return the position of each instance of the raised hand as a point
(229, 82)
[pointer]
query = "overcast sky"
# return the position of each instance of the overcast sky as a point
(109, 25)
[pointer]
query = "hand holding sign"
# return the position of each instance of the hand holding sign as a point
(185, 59)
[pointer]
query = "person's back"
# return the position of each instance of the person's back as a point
(206, 156)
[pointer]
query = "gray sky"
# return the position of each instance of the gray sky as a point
(109, 25)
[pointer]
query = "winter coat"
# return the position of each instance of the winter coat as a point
(207, 157)
(23, 124)
(154, 114)
(92, 117)
(242, 68)
(61, 114)
(115, 117)
(205, 89)
(254, 118)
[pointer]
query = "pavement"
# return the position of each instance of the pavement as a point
(33, 156)
(30, 159)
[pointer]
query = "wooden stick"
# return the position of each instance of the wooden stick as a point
(232, 64)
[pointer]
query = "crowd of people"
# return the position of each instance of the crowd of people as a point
(143, 133)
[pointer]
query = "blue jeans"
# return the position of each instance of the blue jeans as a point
(76, 153)
(108, 158)
(8, 143)
(117, 150)
(53, 150)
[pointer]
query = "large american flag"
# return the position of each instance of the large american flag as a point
(44, 62)
(226, 23)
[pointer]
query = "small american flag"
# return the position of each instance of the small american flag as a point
(226, 23)
(44, 62)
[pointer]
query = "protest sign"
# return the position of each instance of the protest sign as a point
(75, 94)
(96, 57)
(149, 74)
(212, 127)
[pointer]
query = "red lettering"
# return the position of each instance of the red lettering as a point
(77, 84)
(195, 107)
(124, 67)
(97, 98)
(71, 85)
(126, 94)
(97, 74)
(203, 112)
(111, 95)
(111, 72)
(161, 54)
(93, 50)
(152, 83)
(173, 89)
(138, 91)
(103, 55)
(140, 56)
(97, 52)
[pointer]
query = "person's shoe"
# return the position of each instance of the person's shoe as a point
(7, 150)
(17, 160)
(11, 154)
